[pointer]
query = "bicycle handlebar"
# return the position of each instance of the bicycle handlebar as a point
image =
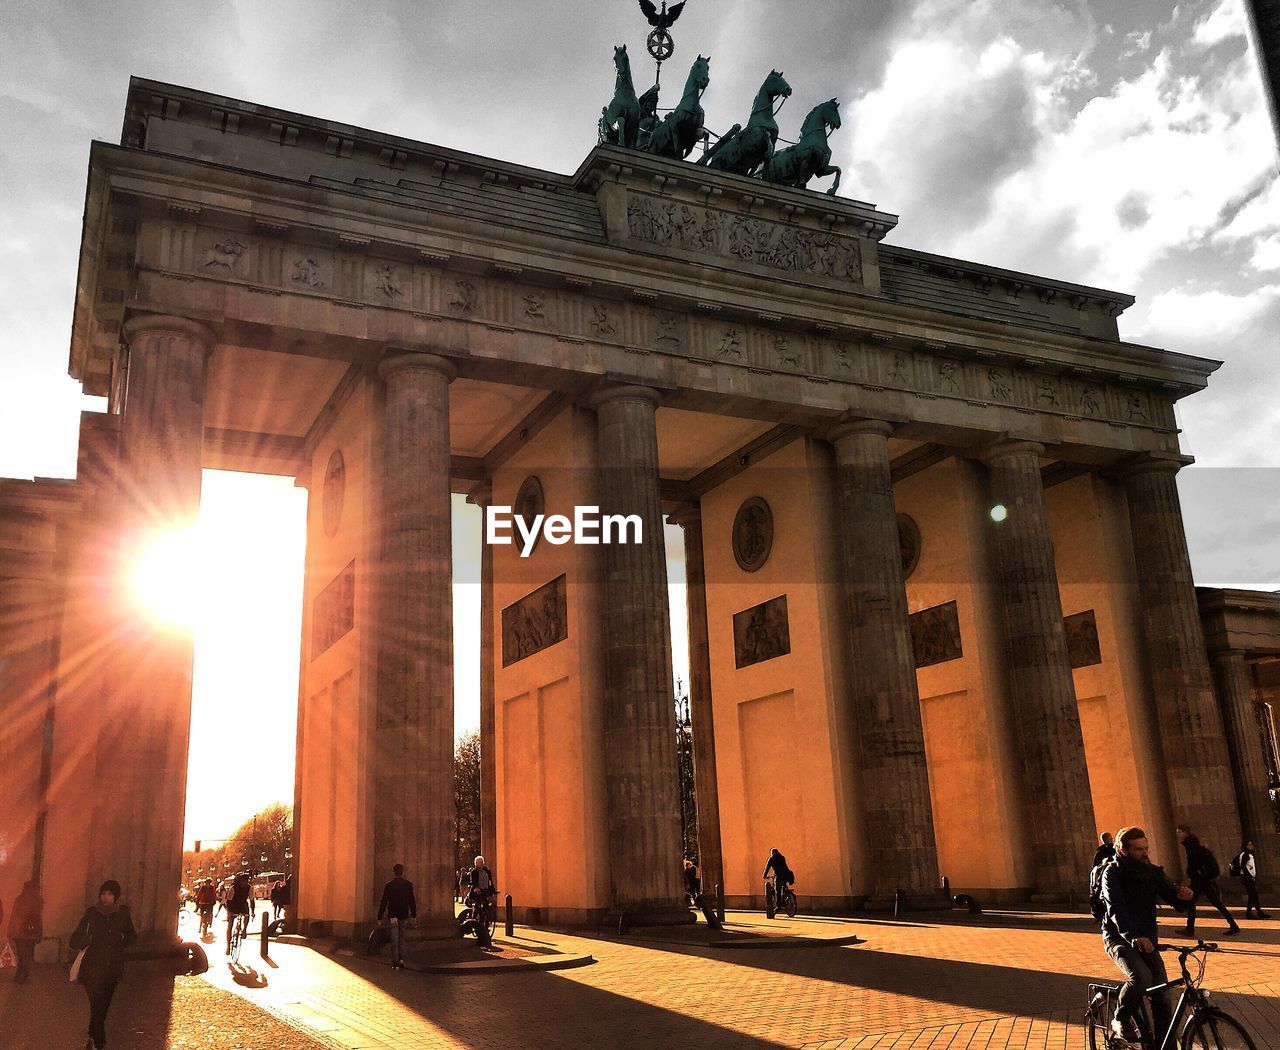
(1199, 946)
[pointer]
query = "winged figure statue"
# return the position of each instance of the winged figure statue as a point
(661, 19)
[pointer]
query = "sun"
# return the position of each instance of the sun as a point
(168, 578)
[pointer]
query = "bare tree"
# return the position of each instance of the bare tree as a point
(466, 799)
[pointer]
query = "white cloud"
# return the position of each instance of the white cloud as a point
(1223, 22)
(1207, 315)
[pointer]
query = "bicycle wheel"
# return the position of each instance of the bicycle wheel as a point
(1211, 1029)
(237, 939)
(770, 903)
(491, 919)
(791, 904)
(1097, 1020)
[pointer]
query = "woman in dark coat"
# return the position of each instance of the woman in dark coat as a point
(25, 929)
(105, 932)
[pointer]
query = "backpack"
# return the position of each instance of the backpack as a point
(1097, 906)
(1235, 867)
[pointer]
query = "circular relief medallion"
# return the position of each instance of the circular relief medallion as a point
(530, 502)
(908, 544)
(335, 486)
(752, 534)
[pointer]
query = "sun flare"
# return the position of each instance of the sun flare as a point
(167, 578)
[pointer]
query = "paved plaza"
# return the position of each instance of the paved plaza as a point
(1008, 980)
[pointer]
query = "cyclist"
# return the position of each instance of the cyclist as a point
(1131, 885)
(239, 904)
(481, 891)
(783, 876)
(206, 898)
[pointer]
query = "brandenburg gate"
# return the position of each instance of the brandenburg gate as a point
(940, 608)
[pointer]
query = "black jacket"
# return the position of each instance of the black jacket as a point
(1104, 852)
(1130, 891)
(397, 900)
(778, 865)
(1201, 863)
(106, 934)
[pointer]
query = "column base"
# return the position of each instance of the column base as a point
(663, 916)
(936, 901)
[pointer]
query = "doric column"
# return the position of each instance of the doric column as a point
(706, 789)
(885, 702)
(146, 730)
(640, 756)
(1240, 710)
(1191, 730)
(1041, 691)
(482, 497)
(413, 800)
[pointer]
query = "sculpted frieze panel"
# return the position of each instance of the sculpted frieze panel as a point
(333, 613)
(536, 622)
(350, 275)
(935, 635)
(761, 632)
(704, 231)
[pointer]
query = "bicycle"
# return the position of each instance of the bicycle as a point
(773, 902)
(1207, 1027)
(239, 932)
(479, 915)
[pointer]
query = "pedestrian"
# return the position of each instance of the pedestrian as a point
(1130, 888)
(400, 908)
(26, 928)
(1245, 867)
(692, 881)
(102, 936)
(1202, 874)
(277, 900)
(1106, 849)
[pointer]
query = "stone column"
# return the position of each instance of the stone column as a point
(885, 702)
(482, 497)
(1240, 710)
(1191, 730)
(142, 750)
(1059, 805)
(640, 749)
(413, 741)
(705, 786)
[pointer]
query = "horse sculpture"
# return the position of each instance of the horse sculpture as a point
(811, 156)
(682, 127)
(620, 119)
(744, 150)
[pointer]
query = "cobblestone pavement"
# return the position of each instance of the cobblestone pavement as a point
(1012, 981)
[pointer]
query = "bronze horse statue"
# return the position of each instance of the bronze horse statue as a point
(811, 156)
(620, 119)
(744, 150)
(682, 127)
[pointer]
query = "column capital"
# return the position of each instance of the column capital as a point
(197, 332)
(399, 359)
(623, 392)
(1152, 463)
(686, 515)
(1007, 448)
(844, 428)
(481, 494)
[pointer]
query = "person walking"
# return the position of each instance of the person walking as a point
(1202, 873)
(1106, 849)
(105, 931)
(1245, 868)
(26, 929)
(399, 907)
(1131, 885)
(692, 881)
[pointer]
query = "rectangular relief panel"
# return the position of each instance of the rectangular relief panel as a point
(334, 610)
(761, 632)
(1082, 639)
(535, 622)
(935, 635)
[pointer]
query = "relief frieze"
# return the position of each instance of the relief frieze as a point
(537, 621)
(352, 278)
(703, 231)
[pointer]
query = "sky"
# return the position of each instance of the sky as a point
(1120, 143)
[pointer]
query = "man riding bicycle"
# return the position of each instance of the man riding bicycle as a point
(782, 874)
(1131, 886)
(239, 904)
(206, 898)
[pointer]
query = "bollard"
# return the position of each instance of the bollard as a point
(265, 948)
(946, 888)
(899, 899)
(719, 904)
(511, 921)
